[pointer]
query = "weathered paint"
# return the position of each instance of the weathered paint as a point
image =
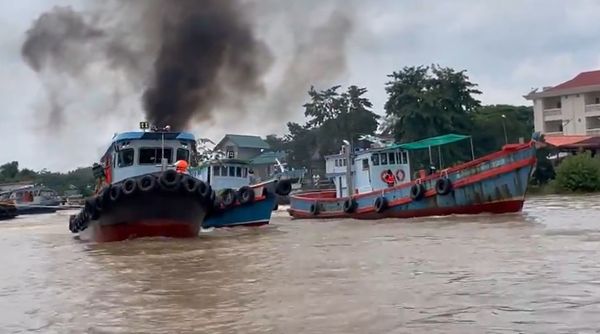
(256, 213)
(494, 183)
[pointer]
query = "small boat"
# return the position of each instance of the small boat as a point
(141, 194)
(381, 185)
(33, 199)
(8, 209)
(238, 201)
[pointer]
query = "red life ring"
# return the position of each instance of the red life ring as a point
(400, 175)
(382, 176)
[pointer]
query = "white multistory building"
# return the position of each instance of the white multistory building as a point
(570, 108)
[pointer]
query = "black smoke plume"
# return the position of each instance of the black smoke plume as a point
(187, 58)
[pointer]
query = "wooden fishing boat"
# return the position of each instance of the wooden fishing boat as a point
(495, 183)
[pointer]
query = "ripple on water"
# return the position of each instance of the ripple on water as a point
(533, 272)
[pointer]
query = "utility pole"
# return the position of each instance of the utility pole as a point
(349, 157)
(504, 127)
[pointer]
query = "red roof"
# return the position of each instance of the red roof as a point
(562, 141)
(573, 142)
(582, 79)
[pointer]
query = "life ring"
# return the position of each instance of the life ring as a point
(380, 204)
(417, 191)
(400, 175)
(443, 186)
(382, 176)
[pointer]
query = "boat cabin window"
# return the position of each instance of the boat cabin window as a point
(223, 171)
(337, 163)
(152, 155)
(383, 159)
(231, 171)
(125, 157)
(216, 170)
(375, 159)
(238, 171)
(404, 157)
(392, 158)
(365, 164)
(182, 154)
(244, 172)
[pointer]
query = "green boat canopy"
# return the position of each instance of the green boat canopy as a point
(430, 142)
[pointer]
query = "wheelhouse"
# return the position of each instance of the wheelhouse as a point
(367, 167)
(136, 153)
(224, 173)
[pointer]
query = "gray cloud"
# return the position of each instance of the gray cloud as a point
(507, 47)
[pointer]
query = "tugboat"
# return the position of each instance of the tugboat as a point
(377, 183)
(238, 202)
(144, 189)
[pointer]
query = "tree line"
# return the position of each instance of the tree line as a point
(423, 101)
(80, 179)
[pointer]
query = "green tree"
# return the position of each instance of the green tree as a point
(489, 123)
(428, 101)
(9, 171)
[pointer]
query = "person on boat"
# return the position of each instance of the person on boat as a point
(181, 166)
(253, 179)
(389, 178)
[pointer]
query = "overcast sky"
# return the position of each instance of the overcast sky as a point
(507, 48)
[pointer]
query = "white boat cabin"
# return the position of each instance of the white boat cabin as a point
(135, 153)
(368, 168)
(224, 173)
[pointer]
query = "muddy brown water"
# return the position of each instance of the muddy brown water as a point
(532, 272)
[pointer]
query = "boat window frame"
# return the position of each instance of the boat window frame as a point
(216, 170)
(375, 159)
(392, 158)
(404, 156)
(365, 162)
(238, 171)
(157, 149)
(244, 172)
(187, 154)
(383, 159)
(120, 157)
(223, 170)
(231, 171)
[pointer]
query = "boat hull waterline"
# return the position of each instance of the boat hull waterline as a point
(177, 212)
(496, 183)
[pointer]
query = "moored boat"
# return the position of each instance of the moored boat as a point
(141, 194)
(33, 199)
(238, 201)
(8, 209)
(380, 184)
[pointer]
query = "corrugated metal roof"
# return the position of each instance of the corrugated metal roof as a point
(247, 141)
(267, 158)
(565, 141)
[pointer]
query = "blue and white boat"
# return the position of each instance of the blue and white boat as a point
(239, 201)
(376, 183)
(139, 191)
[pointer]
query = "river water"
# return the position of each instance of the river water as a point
(532, 272)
